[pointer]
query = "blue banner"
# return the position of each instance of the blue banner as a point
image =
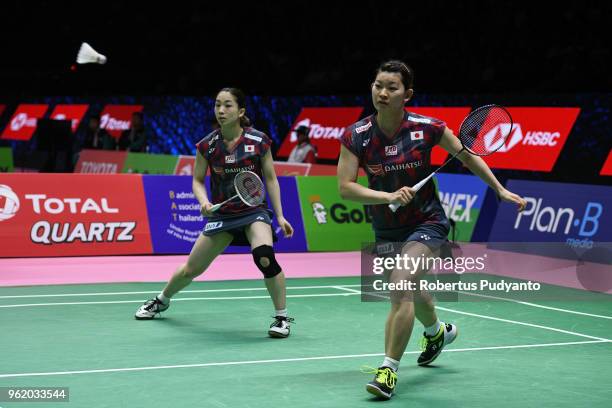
(175, 220)
(462, 197)
(575, 214)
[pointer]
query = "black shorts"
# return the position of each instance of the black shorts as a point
(235, 225)
(434, 236)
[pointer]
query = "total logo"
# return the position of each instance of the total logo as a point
(494, 139)
(20, 120)
(9, 203)
(318, 131)
(109, 123)
(550, 220)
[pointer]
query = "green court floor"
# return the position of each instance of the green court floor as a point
(211, 349)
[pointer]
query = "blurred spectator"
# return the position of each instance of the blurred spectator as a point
(303, 152)
(136, 138)
(96, 137)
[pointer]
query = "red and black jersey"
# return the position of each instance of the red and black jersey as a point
(402, 160)
(224, 164)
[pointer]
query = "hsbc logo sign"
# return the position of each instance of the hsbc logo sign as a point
(9, 203)
(494, 138)
(20, 120)
(534, 141)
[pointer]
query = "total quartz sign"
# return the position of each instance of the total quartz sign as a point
(72, 214)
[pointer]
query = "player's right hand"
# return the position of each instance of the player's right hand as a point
(205, 209)
(402, 196)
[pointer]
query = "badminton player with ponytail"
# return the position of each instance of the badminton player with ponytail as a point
(393, 146)
(238, 157)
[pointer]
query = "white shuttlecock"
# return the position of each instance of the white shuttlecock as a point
(87, 55)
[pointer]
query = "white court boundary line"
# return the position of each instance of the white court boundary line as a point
(157, 292)
(288, 288)
(558, 309)
(282, 360)
(508, 321)
(112, 302)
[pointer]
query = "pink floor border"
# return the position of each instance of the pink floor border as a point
(118, 269)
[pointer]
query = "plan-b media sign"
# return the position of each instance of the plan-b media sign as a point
(575, 214)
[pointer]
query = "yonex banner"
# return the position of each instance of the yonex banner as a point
(149, 163)
(72, 214)
(606, 170)
(453, 116)
(462, 197)
(100, 161)
(6, 160)
(176, 221)
(23, 122)
(535, 141)
(331, 223)
(326, 127)
(117, 118)
(73, 113)
(572, 213)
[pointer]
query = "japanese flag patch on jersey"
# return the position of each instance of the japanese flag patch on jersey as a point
(418, 135)
(249, 148)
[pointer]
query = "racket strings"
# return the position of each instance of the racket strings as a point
(250, 188)
(485, 130)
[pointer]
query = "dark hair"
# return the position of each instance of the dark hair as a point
(240, 98)
(401, 68)
(139, 114)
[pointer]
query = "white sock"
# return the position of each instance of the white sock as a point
(391, 363)
(163, 299)
(281, 312)
(433, 329)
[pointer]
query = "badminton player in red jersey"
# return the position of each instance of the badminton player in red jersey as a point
(393, 147)
(233, 148)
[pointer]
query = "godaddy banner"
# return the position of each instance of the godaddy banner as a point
(331, 223)
(462, 197)
(144, 163)
(6, 160)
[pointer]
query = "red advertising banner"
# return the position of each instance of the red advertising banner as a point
(606, 170)
(100, 161)
(326, 127)
(453, 116)
(117, 118)
(23, 122)
(72, 214)
(184, 166)
(535, 141)
(73, 113)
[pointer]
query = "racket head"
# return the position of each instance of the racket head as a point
(249, 188)
(485, 129)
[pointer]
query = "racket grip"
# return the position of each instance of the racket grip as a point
(394, 207)
(416, 188)
(215, 207)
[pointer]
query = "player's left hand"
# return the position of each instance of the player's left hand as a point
(510, 197)
(285, 226)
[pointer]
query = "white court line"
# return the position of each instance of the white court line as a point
(157, 292)
(282, 360)
(537, 305)
(112, 302)
(507, 320)
(511, 300)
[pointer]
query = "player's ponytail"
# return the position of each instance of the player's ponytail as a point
(241, 102)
